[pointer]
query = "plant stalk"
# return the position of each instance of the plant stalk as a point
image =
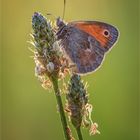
(80, 137)
(60, 107)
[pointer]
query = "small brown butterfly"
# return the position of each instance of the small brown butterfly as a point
(86, 42)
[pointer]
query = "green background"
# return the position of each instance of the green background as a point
(29, 112)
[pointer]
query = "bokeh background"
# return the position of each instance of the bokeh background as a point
(29, 112)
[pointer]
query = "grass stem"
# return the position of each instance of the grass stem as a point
(60, 107)
(79, 133)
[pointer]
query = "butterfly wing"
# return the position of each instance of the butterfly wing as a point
(104, 33)
(86, 43)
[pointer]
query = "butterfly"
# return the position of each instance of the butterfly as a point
(86, 43)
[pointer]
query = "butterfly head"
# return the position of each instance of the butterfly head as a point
(59, 22)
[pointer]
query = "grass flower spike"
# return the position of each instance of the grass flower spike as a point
(48, 60)
(77, 99)
(77, 106)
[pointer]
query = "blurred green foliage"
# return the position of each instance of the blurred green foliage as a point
(29, 112)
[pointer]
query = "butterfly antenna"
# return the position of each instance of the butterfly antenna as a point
(49, 14)
(64, 9)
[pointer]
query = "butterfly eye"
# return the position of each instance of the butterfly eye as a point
(106, 33)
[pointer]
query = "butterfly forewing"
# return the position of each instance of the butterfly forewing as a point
(104, 33)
